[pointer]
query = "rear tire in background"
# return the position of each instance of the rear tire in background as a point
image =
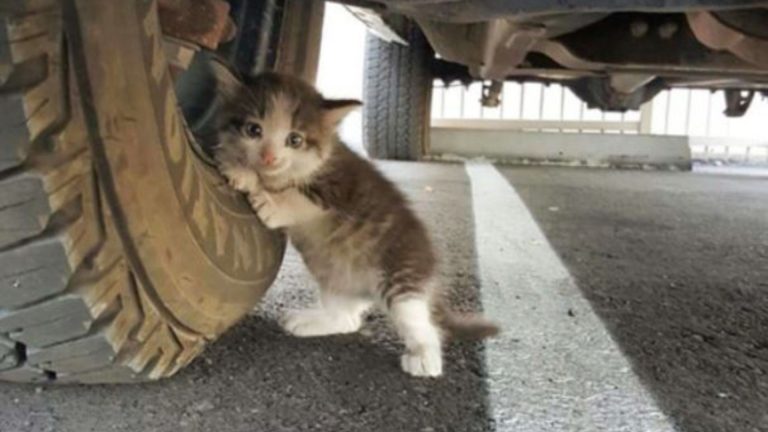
(397, 89)
(121, 252)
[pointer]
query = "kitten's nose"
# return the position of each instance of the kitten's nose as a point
(267, 157)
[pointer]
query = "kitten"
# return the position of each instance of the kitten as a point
(353, 227)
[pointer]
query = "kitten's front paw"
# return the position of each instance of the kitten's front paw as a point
(426, 363)
(267, 210)
(241, 179)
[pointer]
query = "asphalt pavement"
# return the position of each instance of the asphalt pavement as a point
(631, 301)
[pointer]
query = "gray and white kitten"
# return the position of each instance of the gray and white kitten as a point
(354, 229)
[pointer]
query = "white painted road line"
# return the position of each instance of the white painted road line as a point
(548, 371)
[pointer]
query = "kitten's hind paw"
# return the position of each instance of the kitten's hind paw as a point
(426, 363)
(317, 322)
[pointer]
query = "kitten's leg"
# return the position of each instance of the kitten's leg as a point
(284, 209)
(412, 318)
(337, 314)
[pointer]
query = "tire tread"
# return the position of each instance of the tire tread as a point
(397, 84)
(70, 308)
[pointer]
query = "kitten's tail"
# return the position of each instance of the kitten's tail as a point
(463, 326)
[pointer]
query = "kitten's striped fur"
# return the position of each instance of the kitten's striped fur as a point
(353, 227)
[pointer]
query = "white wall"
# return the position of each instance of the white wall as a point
(340, 73)
(675, 112)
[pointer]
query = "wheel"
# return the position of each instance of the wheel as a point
(121, 252)
(397, 89)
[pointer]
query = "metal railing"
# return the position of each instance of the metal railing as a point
(534, 107)
(528, 107)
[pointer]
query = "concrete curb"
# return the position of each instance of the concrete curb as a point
(569, 149)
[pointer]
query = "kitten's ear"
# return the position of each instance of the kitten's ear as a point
(228, 84)
(334, 110)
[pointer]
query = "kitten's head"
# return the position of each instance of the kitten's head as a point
(276, 124)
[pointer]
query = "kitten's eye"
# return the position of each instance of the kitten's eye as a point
(294, 140)
(251, 130)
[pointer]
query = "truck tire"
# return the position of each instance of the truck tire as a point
(122, 254)
(397, 90)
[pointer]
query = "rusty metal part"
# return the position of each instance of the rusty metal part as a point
(202, 22)
(493, 49)
(376, 24)
(567, 57)
(737, 102)
(563, 56)
(457, 43)
(638, 28)
(472, 11)
(491, 94)
(668, 30)
(603, 45)
(609, 46)
(751, 22)
(719, 36)
(629, 82)
(598, 92)
(506, 46)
